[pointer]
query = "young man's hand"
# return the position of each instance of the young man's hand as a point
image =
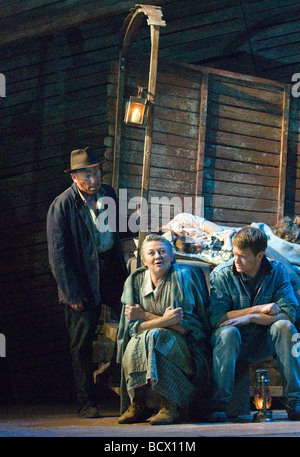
(238, 321)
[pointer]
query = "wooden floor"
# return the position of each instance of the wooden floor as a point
(61, 420)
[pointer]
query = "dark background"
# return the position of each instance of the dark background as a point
(56, 57)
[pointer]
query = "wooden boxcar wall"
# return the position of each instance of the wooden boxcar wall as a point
(175, 138)
(219, 135)
(257, 37)
(56, 101)
(292, 202)
(242, 179)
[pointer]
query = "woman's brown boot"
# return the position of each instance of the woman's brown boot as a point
(136, 412)
(168, 413)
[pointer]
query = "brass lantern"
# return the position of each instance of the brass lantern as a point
(135, 109)
(262, 397)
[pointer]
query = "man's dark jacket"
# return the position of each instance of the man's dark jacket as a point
(72, 250)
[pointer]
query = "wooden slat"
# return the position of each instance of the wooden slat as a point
(283, 153)
(240, 189)
(248, 115)
(171, 173)
(53, 17)
(237, 175)
(245, 128)
(161, 161)
(255, 104)
(165, 150)
(239, 218)
(243, 141)
(245, 91)
(241, 155)
(201, 139)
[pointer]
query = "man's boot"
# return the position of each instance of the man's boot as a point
(136, 412)
(168, 413)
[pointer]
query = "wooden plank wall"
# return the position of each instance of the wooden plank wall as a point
(244, 127)
(241, 142)
(257, 37)
(56, 101)
(254, 37)
(292, 203)
(175, 138)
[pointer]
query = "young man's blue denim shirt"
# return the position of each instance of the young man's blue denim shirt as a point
(229, 290)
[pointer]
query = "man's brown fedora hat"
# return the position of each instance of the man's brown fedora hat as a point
(82, 158)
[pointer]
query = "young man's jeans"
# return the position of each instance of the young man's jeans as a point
(254, 343)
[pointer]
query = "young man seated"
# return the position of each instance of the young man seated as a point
(252, 310)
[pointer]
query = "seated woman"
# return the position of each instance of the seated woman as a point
(288, 229)
(161, 337)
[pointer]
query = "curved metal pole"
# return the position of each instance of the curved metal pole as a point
(132, 23)
(149, 126)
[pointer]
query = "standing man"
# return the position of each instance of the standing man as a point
(87, 262)
(252, 310)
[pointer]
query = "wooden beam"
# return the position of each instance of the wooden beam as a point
(201, 144)
(283, 152)
(269, 83)
(45, 17)
(118, 123)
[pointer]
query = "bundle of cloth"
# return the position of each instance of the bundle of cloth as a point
(197, 238)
